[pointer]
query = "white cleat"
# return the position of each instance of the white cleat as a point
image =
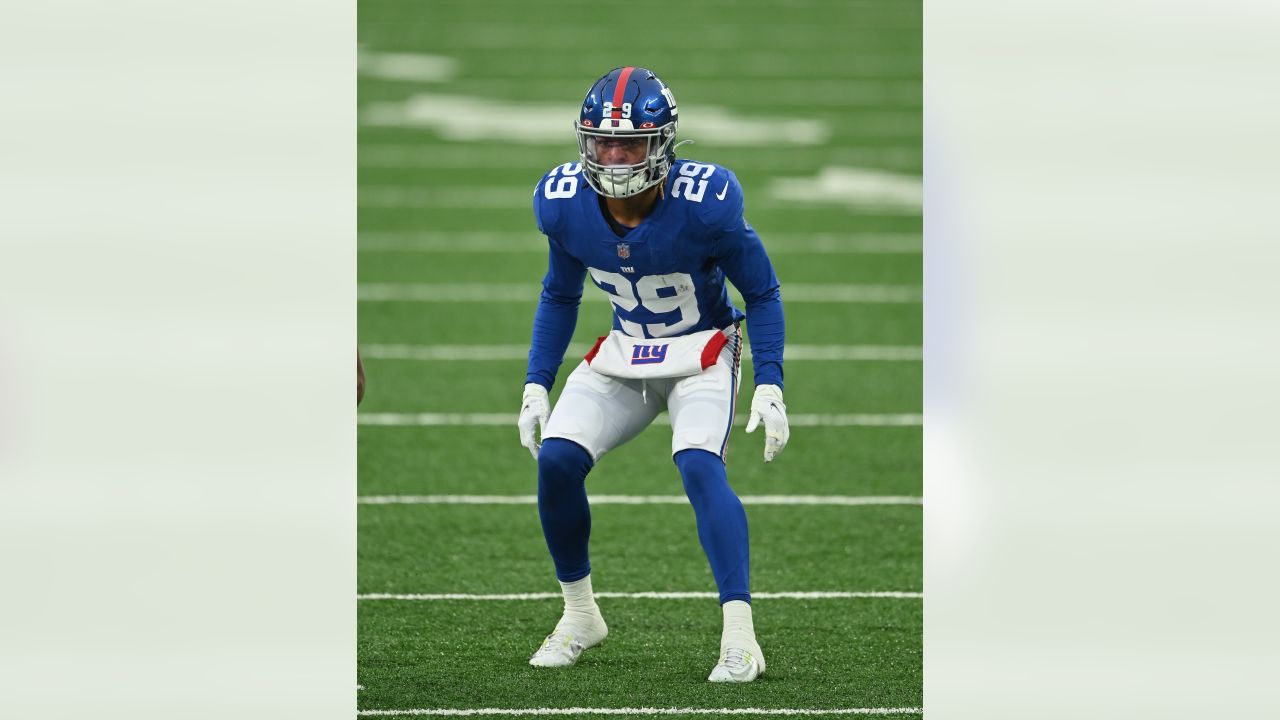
(738, 665)
(565, 644)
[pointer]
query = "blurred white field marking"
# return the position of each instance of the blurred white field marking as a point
(533, 242)
(680, 38)
(528, 293)
(438, 196)
(483, 419)
(844, 500)
(412, 67)
(853, 186)
(894, 595)
(875, 191)
(481, 711)
(460, 117)
(877, 94)
(815, 64)
(884, 353)
(640, 711)
(537, 160)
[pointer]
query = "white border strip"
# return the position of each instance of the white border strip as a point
(480, 419)
(637, 500)
(894, 595)
(886, 353)
(465, 711)
(528, 293)
(644, 711)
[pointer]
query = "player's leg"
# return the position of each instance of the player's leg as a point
(593, 415)
(562, 506)
(566, 525)
(702, 410)
(722, 530)
(722, 523)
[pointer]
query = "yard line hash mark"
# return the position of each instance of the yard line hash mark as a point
(533, 242)
(528, 293)
(815, 595)
(496, 419)
(638, 500)
(887, 353)
(644, 711)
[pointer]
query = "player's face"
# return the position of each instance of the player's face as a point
(620, 150)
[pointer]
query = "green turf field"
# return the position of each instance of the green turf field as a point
(459, 103)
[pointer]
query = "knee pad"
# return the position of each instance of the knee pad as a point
(563, 460)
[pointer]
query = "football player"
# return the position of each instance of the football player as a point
(659, 235)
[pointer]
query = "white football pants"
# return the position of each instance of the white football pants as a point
(601, 413)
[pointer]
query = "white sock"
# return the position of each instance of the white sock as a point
(579, 602)
(738, 629)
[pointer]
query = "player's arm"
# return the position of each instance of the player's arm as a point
(553, 326)
(556, 316)
(742, 256)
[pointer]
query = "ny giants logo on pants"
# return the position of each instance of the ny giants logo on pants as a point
(648, 354)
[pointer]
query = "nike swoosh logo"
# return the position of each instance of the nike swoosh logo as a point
(725, 189)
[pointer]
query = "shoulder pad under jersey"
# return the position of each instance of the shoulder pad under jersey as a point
(560, 183)
(711, 192)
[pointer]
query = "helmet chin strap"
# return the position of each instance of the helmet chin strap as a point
(682, 142)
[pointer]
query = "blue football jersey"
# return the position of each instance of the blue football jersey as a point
(665, 277)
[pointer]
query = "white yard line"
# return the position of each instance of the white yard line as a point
(883, 196)
(468, 118)
(643, 711)
(533, 161)
(639, 500)
(448, 292)
(434, 196)
(412, 67)
(853, 187)
(511, 597)
(457, 352)
(481, 419)
(528, 293)
(803, 41)
(889, 353)
(532, 242)
(460, 242)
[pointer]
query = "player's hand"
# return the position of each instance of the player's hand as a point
(767, 407)
(534, 409)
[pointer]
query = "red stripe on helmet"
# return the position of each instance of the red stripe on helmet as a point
(619, 92)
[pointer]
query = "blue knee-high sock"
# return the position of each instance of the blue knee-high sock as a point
(562, 504)
(722, 523)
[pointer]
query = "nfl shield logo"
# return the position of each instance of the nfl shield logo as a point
(624, 251)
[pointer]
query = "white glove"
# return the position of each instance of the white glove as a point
(767, 407)
(534, 409)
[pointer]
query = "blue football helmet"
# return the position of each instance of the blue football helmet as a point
(628, 108)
